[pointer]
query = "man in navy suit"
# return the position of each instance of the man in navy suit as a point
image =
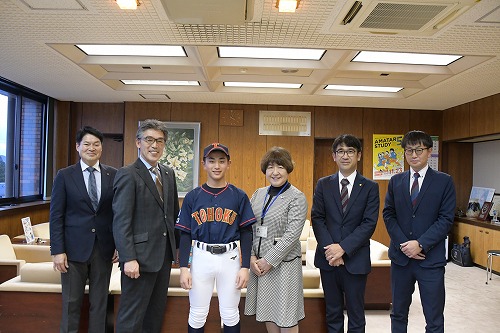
(81, 238)
(418, 214)
(344, 216)
(145, 208)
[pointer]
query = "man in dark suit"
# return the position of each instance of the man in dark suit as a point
(418, 214)
(81, 238)
(344, 216)
(145, 208)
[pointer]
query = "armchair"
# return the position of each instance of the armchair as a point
(10, 266)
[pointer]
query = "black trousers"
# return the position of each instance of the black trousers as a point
(432, 294)
(97, 271)
(343, 289)
(143, 300)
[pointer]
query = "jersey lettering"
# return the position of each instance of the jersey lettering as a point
(212, 214)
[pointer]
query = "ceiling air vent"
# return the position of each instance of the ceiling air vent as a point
(417, 18)
(234, 12)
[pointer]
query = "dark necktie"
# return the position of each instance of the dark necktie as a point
(159, 185)
(92, 188)
(344, 194)
(414, 189)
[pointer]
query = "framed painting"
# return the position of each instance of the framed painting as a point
(182, 154)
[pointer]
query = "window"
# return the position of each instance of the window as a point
(22, 132)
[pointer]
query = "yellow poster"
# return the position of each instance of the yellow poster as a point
(388, 155)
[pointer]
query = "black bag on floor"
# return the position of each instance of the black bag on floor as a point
(460, 253)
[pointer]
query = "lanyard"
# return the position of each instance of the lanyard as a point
(266, 209)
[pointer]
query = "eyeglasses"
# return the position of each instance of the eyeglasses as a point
(150, 140)
(341, 153)
(418, 151)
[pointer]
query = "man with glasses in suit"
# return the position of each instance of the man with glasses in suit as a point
(418, 214)
(145, 208)
(344, 216)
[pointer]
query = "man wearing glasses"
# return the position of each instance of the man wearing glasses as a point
(418, 214)
(344, 216)
(145, 208)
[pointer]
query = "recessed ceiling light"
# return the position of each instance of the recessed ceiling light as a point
(269, 53)
(405, 58)
(363, 88)
(287, 6)
(161, 82)
(133, 50)
(263, 85)
(128, 4)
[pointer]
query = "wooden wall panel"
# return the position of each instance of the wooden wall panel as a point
(112, 151)
(106, 117)
(330, 122)
(381, 121)
(430, 122)
(485, 116)
(456, 122)
(246, 147)
(135, 112)
(10, 218)
(458, 162)
(324, 164)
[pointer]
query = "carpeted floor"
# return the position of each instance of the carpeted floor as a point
(471, 305)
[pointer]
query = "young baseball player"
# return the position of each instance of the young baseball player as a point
(212, 218)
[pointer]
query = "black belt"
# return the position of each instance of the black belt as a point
(216, 249)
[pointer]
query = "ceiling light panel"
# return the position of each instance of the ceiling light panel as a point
(161, 82)
(405, 58)
(363, 88)
(270, 53)
(263, 85)
(133, 50)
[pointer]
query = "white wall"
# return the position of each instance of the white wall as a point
(486, 165)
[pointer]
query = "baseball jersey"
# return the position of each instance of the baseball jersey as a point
(215, 216)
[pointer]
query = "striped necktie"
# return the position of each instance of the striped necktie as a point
(344, 194)
(414, 189)
(159, 185)
(92, 188)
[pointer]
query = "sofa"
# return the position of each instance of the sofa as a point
(14, 256)
(32, 300)
(378, 285)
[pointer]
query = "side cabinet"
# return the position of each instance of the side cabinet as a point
(484, 236)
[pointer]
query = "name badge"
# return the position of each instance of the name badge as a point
(261, 231)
